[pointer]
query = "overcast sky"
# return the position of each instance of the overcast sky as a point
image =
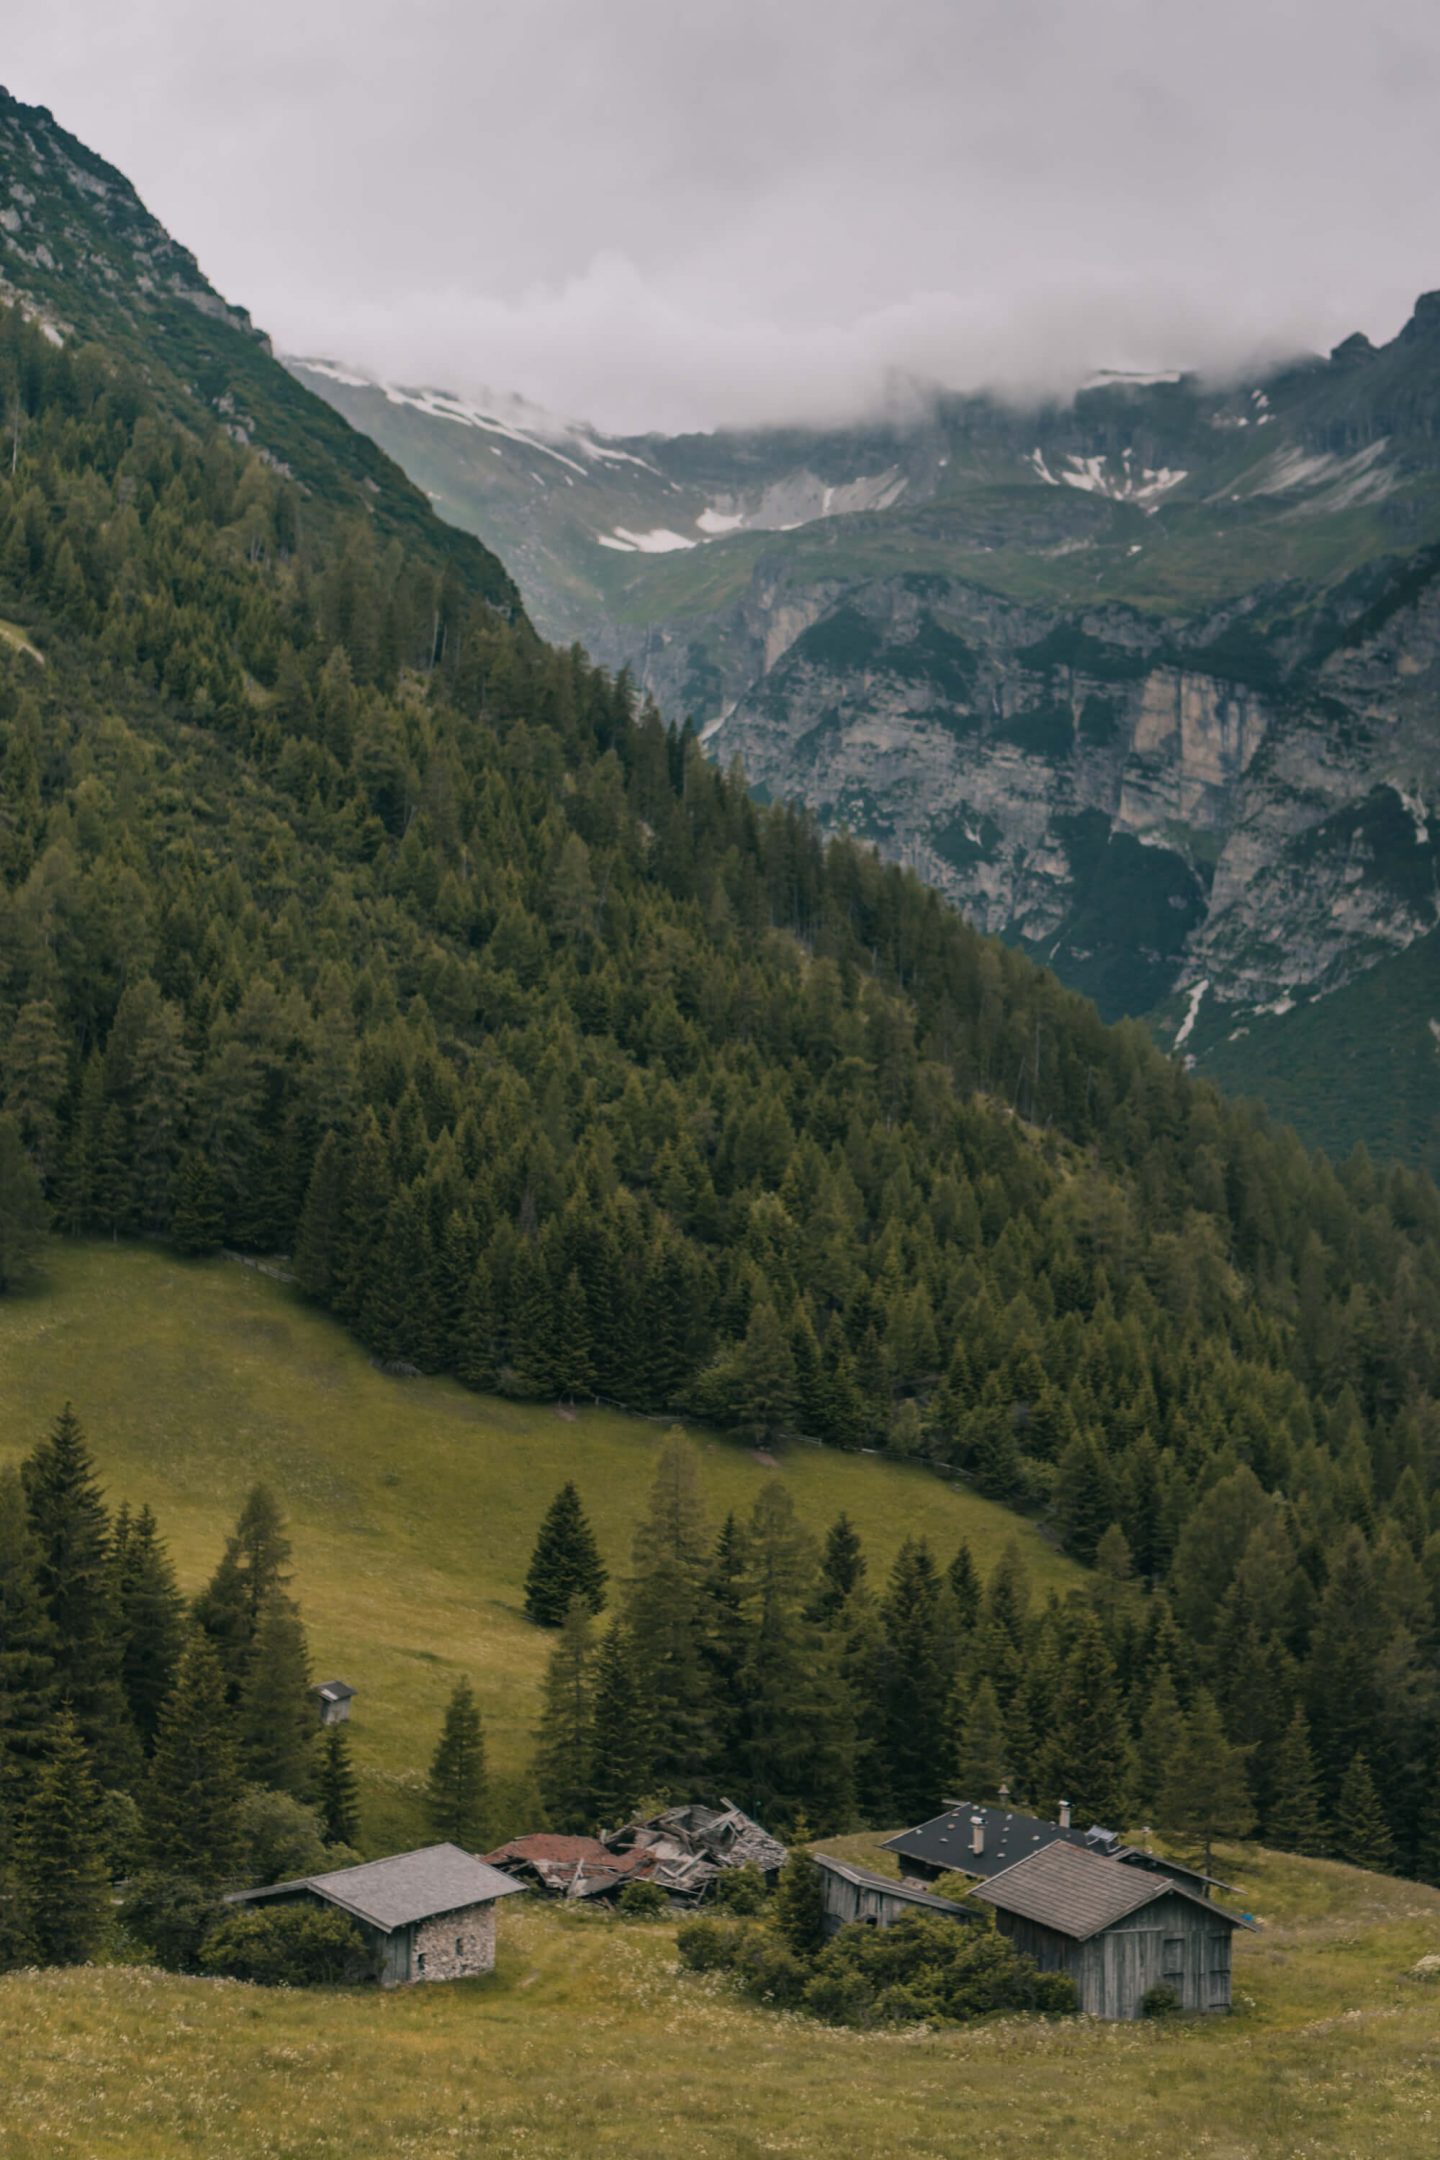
(658, 213)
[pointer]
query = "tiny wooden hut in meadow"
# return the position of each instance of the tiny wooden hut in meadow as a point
(333, 1699)
(1117, 1931)
(853, 1893)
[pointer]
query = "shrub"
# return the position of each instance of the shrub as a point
(1160, 2001)
(706, 1945)
(741, 1890)
(940, 1971)
(768, 1969)
(285, 1946)
(642, 1901)
(281, 1837)
(841, 1998)
(170, 1915)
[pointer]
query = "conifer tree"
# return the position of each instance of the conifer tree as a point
(565, 1753)
(72, 1536)
(197, 1220)
(565, 1563)
(319, 1236)
(1162, 1735)
(1206, 1796)
(474, 1351)
(1361, 1834)
(27, 1653)
(618, 1748)
(842, 1569)
(151, 1616)
(666, 1616)
(1089, 1758)
(797, 1744)
(980, 1759)
(337, 1791)
(192, 1795)
(912, 1687)
(276, 1725)
(255, 1563)
(799, 1907)
(456, 1792)
(61, 1879)
(964, 1584)
(1293, 1818)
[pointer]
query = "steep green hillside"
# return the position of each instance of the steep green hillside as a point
(413, 1505)
(588, 2040)
(96, 268)
(341, 919)
(1146, 683)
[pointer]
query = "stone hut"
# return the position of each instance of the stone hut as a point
(854, 1893)
(425, 1915)
(1117, 1930)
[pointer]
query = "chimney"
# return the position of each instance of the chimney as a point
(1005, 1797)
(977, 1833)
(1064, 1814)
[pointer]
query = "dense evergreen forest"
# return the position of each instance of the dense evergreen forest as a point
(341, 919)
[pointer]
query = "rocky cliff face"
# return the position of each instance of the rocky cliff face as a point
(1150, 684)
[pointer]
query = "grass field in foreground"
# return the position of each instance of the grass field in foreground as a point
(588, 2041)
(413, 1505)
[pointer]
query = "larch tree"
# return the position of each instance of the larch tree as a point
(1205, 1794)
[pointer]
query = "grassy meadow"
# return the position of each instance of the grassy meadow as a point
(413, 1505)
(587, 2040)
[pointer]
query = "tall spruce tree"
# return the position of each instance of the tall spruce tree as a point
(455, 1794)
(797, 1749)
(980, 1755)
(192, 1795)
(618, 1761)
(72, 1537)
(27, 1652)
(667, 1618)
(337, 1791)
(565, 1563)
(1362, 1835)
(1162, 1735)
(276, 1721)
(564, 1757)
(197, 1223)
(911, 1688)
(1294, 1819)
(151, 1615)
(60, 1871)
(842, 1569)
(1089, 1758)
(254, 1565)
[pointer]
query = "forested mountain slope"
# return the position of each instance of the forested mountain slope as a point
(1145, 681)
(555, 1061)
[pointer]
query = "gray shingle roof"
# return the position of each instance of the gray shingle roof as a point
(401, 1890)
(863, 1879)
(1079, 1893)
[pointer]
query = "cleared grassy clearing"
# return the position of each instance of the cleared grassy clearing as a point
(413, 1504)
(587, 2041)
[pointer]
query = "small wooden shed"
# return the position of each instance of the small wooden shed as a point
(854, 1893)
(333, 1699)
(1117, 1931)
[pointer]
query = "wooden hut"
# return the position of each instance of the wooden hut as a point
(853, 1893)
(1118, 1931)
(332, 1701)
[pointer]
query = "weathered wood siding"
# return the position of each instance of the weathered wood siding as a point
(1173, 1941)
(847, 1901)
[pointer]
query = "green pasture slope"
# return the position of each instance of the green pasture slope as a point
(587, 2043)
(413, 1505)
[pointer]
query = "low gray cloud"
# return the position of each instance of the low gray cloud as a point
(657, 213)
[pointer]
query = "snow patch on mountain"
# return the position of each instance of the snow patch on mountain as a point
(1121, 479)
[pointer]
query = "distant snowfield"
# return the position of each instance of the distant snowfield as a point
(661, 541)
(1122, 480)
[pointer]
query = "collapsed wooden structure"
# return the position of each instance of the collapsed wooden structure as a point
(681, 1849)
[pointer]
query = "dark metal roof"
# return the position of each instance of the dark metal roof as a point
(335, 1690)
(392, 1893)
(1078, 1893)
(944, 1841)
(864, 1879)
